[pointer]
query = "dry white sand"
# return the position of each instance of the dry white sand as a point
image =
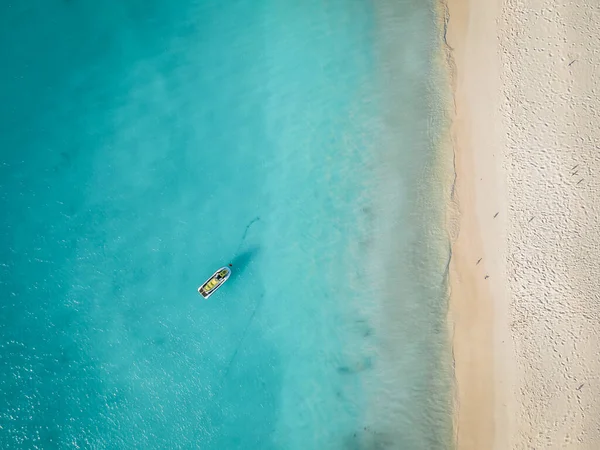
(527, 143)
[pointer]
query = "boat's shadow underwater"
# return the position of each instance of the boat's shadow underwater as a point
(243, 261)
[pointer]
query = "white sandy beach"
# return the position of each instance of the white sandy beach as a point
(525, 288)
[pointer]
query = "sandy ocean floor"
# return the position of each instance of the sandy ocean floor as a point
(146, 144)
(525, 290)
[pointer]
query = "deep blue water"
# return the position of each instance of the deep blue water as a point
(145, 144)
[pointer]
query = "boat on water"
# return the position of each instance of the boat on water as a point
(214, 282)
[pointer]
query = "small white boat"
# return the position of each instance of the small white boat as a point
(214, 282)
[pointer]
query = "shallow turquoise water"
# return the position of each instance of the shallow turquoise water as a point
(145, 144)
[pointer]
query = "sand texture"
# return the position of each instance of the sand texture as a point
(526, 137)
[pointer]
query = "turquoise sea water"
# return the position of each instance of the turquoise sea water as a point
(145, 144)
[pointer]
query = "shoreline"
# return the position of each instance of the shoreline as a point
(478, 314)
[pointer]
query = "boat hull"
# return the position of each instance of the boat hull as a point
(210, 286)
